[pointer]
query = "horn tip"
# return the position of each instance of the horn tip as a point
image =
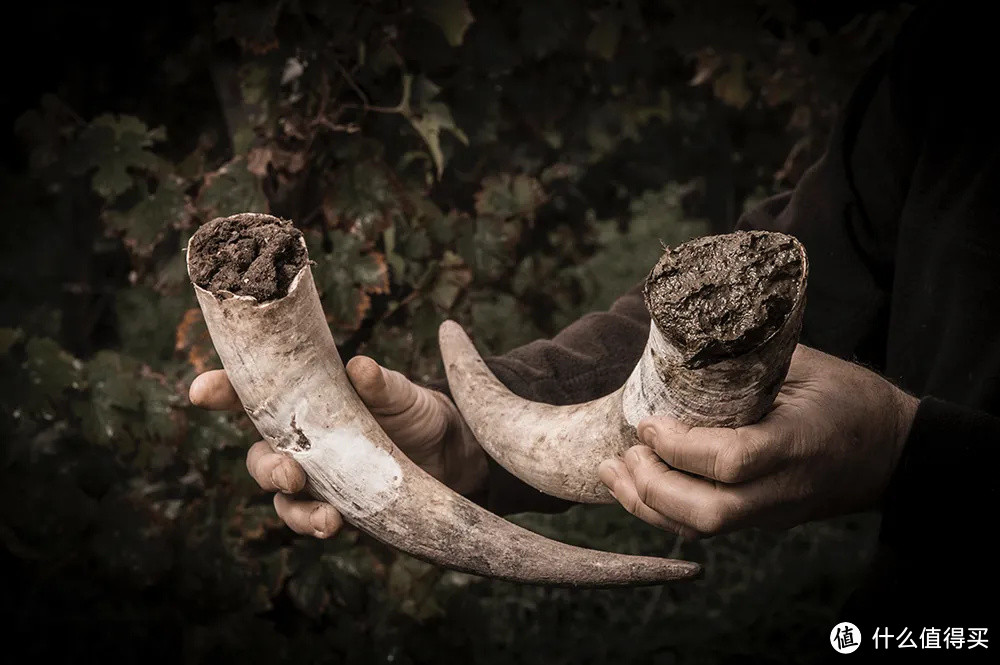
(650, 571)
(450, 332)
(690, 570)
(675, 570)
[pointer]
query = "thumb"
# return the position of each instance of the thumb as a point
(385, 392)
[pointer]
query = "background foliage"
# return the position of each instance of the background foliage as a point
(511, 165)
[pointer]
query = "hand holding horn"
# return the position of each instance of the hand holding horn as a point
(726, 314)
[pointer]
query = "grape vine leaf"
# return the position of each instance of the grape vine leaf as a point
(231, 189)
(452, 16)
(114, 147)
(143, 225)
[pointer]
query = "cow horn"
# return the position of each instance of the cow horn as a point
(726, 314)
(282, 361)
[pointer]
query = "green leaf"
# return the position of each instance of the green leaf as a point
(144, 319)
(433, 119)
(361, 198)
(452, 16)
(500, 322)
(416, 245)
(230, 190)
(208, 432)
(159, 421)
(452, 279)
(115, 146)
(507, 195)
(50, 369)
(144, 224)
(411, 585)
(484, 246)
(345, 276)
(624, 258)
(371, 273)
(113, 400)
(429, 118)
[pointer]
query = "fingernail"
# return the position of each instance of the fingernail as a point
(647, 435)
(279, 476)
(608, 474)
(318, 521)
(632, 458)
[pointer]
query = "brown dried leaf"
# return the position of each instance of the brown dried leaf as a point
(193, 339)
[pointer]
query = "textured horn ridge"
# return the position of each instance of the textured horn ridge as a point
(282, 361)
(726, 312)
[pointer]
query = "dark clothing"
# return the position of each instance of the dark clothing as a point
(901, 223)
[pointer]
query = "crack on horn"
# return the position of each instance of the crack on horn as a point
(300, 443)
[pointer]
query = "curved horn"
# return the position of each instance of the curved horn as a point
(282, 360)
(726, 313)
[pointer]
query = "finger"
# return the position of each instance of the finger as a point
(384, 392)
(309, 518)
(273, 471)
(726, 454)
(614, 474)
(708, 508)
(212, 390)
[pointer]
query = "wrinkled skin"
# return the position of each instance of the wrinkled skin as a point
(423, 423)
(828, 447)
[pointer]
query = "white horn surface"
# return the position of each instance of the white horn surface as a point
(726, 376)
(282, 360)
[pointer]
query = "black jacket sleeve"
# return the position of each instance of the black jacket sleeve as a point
(950, 447)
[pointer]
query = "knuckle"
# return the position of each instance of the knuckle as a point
(708, 523)
(632, 504)
(644, 484)
(258, 472)
(666, 449)
(687, 533)
(733, 463)
(713, 518)
(632, 458)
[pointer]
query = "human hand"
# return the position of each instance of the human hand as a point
(424, 423)
(829, 446)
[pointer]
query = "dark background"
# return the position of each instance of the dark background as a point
(542, 154)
